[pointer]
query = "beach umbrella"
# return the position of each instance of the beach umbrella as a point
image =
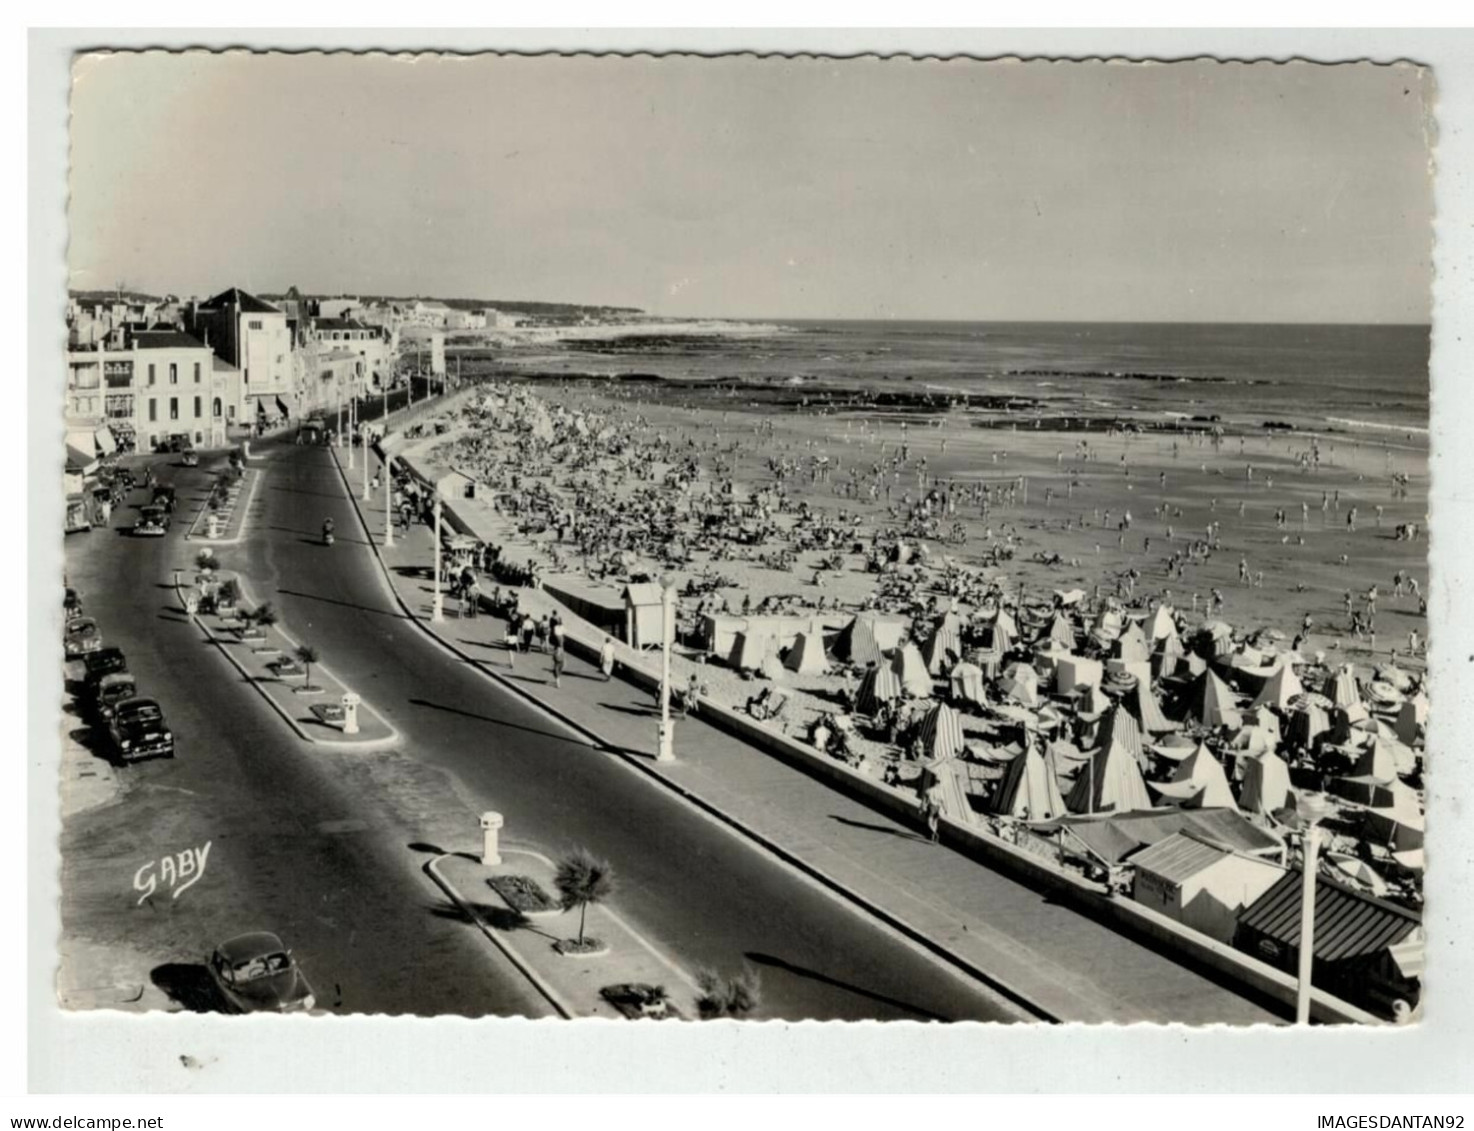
(1279, 689)
(878, 687)
(858, 644)
(1340, 687)
(1212, 703)
(1110, 781)
(942, 648)
(749, 651)
(1021, 682)
(1029, 790)
(806, 656)
(1198, 783)
(910, 669)
(967, 683)
(1266, 785)
(941, 732)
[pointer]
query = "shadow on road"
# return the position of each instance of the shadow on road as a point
(188, 984)
(345, 604)
(760, 959)
(902, 833)
(642, 712)
(504, 723)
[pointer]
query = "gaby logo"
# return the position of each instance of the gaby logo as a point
(179, 872)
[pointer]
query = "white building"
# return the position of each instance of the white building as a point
(254, 337)
(1199, 885)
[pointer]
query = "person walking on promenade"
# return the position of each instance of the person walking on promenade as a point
(540, 634)
(931, 812)
(511, 641)
(559, 658)
(527, 632)
(606, 658)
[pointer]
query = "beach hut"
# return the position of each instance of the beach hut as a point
(1279, 688)
(1198, 783)
(1021, 683)
(1212, 703)
(1132, 645)
(1147, 711)
(1028, 790)
(941, 732)
(1340, 688)
(644, 615)
(878, 687)
(750, 650)
(1110, 781)
(910, 669)
(806, 656)
(942, 648)
(859, 643)
(1266, 786)
(966, 681)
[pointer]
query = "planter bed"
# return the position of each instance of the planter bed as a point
(637, 1001)
(523, 894)
(590, 947)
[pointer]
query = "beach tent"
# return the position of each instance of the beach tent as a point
(1132, 645)
(1148, 712)
(910, 669)
(773, 669)
(1279, 688)
(861, 641)
(750, 650)
(1340, 688)
(879, 686)
(942, 648)
(1061, 632)
(1212, 703)
(807, 657)
(967, 683)
(1385, 759)
(1163, 627)
(1412, 719)
(1118, 730)
(1168, 657)
(941, 732)
(1074, 672)
(1021, 683)
(1198, 783)
(1266, 786)
(1110, 780)
(1028, 790)
(1093, 701)
(1308, 722)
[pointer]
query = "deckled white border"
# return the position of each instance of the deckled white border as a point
(108, 1053)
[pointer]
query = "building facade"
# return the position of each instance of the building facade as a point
(253, 336)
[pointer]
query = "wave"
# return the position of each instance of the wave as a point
(1379, 425)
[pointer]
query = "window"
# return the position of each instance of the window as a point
(197, 373)
(153, 407)
(197, 408)
(173, 408)
(150, 373)
(254, 324)
(173, 373)
(217, 408)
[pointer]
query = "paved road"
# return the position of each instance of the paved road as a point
(327, 845)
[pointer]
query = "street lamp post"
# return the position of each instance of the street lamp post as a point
(352, 426)
(365, 467)
(388, 500)
(665, 751)
(339, 389)
(1311, 809)
(439, 613)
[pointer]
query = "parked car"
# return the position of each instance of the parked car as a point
(138, 731)
(153, 522)
(71, 605)
(255, 973)
(125, 478)
(82, 636)
(103, 662)
(111, 690)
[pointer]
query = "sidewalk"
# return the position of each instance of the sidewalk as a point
(1064, 964)
(572, 984)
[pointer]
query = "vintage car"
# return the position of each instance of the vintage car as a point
(125, 478)
(79, 515)
(71, 605)
(138, 731)
(82, 636)
(163, 496)
(103, 662)
(111, 690)
(191, 458)
(255, 973)
(153, 522)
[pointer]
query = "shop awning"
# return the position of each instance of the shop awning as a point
(281, 407)
(103, 437)
(80, 462)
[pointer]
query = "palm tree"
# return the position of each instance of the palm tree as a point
(723, 996)
(205, 560)
(307, 655)
(264, 616)
(583, 879)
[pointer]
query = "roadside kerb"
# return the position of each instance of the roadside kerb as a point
(389, 739)
(244, 499)
(551, 995)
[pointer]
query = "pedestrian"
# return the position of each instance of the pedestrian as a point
(693, 694)
(606, 658)
(511, 642)
(931, 810)
(527, 632)
(559, 658)
(540, 634)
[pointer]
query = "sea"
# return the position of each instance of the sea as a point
(1335, 377)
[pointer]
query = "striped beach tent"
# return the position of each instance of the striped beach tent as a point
(1212, 703)
(807, 656)
(858, 644)
(1340, 687)
(1168, 656)
(1028, 790)
(1147, 711)
(1118, 730)
(1061, 632)
(910, 669)
(941, 732)
(1266, 785)
(878, 687)
(942, 648)
(1279, 688)
(1110, 781)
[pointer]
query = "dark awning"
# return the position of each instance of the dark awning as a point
(1347, 923)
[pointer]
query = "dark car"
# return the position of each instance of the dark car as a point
(72, 605)
(105, 661)
(138, 731)
(125, 478)
(109, 691)
(153, 522)
(164, 496)
(255, 973)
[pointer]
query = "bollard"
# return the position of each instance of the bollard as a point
(491, 825)
(350, 712)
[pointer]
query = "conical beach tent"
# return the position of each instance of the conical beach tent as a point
(1118, 730)
(967, 683)
(1110, 781)
(910, 669)
(1266, 785)
(1340, 687)
(879, 686)
(807, 657)
(942, 648)
(1163, 626)
(1279, 688)
(857, 643)
(1212, 703)
(1028, 790)
(941, 732)
(749, 651)
(1061, 632)
(1168, 656)
(1148, 712)
(1199, 783)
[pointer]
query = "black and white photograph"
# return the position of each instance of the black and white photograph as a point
(695, 538)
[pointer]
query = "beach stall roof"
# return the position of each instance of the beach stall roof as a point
(910, 669)
(1348, 924)
(1198, 884)
(1029, 790)
(1114, 836)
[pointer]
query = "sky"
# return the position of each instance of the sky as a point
(763, 188)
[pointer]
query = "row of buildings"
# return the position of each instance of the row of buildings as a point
(142, 373)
